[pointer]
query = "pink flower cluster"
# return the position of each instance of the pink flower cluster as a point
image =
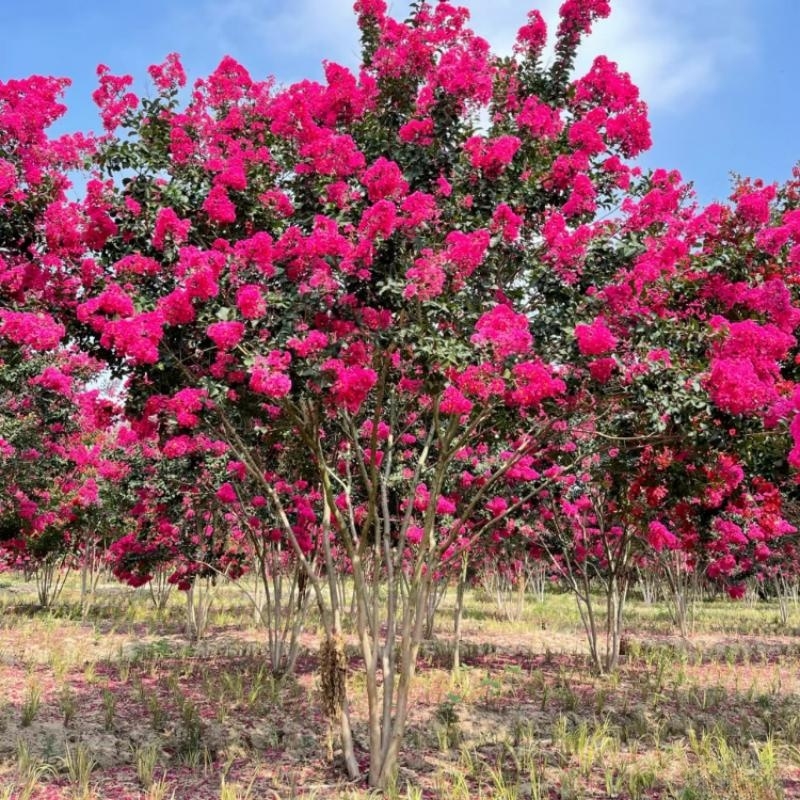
(112, 98)
(225, 335)
(505, 331)
(268, 375)
(577, 17)
(745, 367)
(38, 331)
(534, 383)
(352, 384)
(659, 537)
(454, 402)
(492, 156)
(595, 339)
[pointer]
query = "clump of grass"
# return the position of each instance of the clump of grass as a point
(158, 790)
(90, 672)
(30, 768)
(59, 663)
(109, 708)
(145, 758)
(192, 750)
(234, 791)
(124, 670)
(639, 781)
(67, 705)
(31, 704)
(721, 771)
(79, 764)
(447, 728)
(156, 709)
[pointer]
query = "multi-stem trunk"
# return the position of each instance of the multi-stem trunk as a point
(159, 588)
(682, 581)
(90, 576)
(370, 525)
(199, 599)
(459, 612)
(283, 604)
(389, 633)
(51, 575)
(435, 597)
(616, 592)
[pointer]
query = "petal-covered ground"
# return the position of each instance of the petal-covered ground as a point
(121, 705)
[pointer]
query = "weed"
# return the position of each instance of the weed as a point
(90, 672)
(233, 686)
(570, 700)
(453, 786)
(67, 705)
(31, 704)
(492, 686)
(158, 790)
(615, 779)
(448, 732)
(538, 788)
(502, 790)
(79, 764)
(29, 767)
(263, 687)
(124, 670)
(109, 708)
(766, 756)
(59, 664)
(523, 731)
(191, 749)
(145, 758)
(568, 790)
(600, 700)
(233, 791)
(467, 762)
(157, 711)
(639, 781)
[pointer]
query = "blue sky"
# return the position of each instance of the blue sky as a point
(720, 76)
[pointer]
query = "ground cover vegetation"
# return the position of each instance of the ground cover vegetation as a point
(344, 345)
(120, 703)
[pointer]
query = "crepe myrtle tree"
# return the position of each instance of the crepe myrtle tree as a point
(742, 281)
(52, 470)
(682, 366)
(47, 419)
(386, 320)
(49, 465)
(751, 265)
(331, 278)
(746, 279)
(191, 527)
(99, 474)
(177, 527)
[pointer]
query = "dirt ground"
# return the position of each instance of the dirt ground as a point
(129, 708)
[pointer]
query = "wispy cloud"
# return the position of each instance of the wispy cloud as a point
(289, 37)
(677, 53)
(676, 57)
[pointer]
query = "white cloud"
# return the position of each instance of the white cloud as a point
(674, 57)
(284, 33)
(676, 53)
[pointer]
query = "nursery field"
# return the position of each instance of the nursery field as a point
(333, 344)
(122, 705)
